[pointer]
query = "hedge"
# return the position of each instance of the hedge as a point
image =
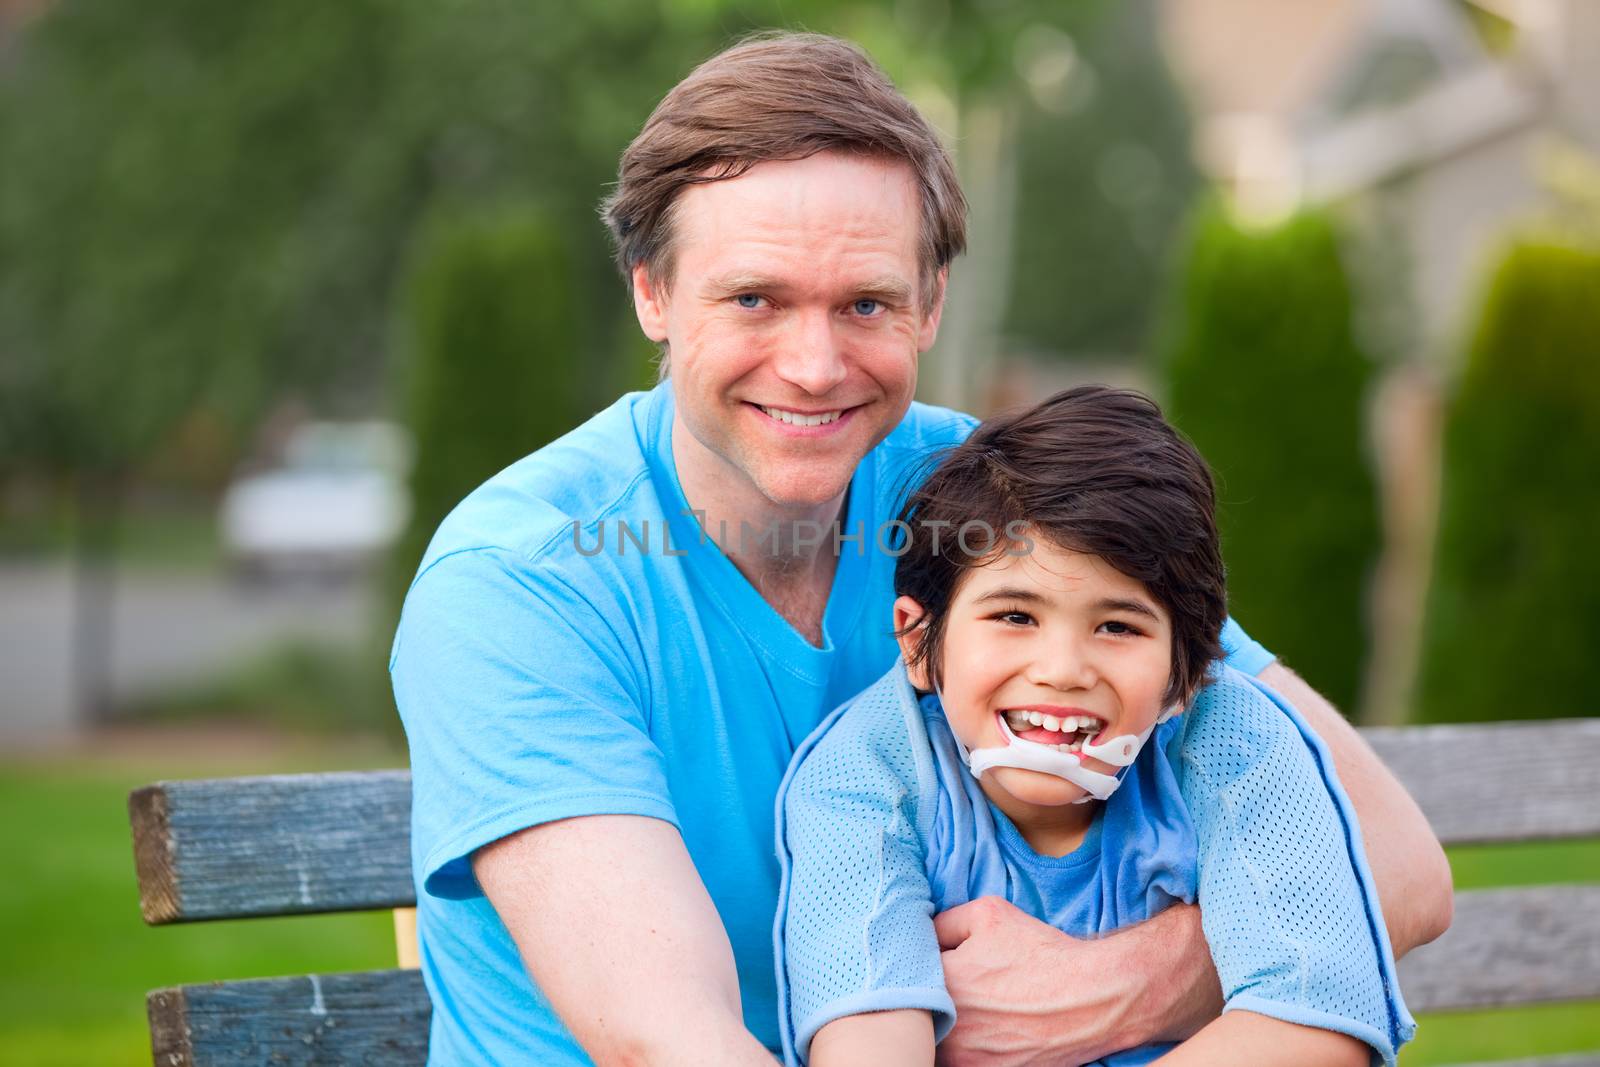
(493, 370)
(1513, 616)
(1264, 373)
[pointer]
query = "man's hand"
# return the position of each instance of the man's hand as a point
(615, 925)
(1027, 993)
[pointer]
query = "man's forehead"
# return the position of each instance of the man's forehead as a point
(849, 203)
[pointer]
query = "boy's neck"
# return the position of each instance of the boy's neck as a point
(1050, 830)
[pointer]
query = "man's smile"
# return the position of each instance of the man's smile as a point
(818, 422)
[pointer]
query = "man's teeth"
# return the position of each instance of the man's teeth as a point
(794, 418)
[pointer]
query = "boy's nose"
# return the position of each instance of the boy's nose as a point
(1064, 668)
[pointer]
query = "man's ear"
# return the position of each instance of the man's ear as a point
(909, 621)
(649, 304)
(928, 329)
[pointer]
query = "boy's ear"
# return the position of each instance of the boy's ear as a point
(909, 619)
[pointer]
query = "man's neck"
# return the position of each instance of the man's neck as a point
(786, 553)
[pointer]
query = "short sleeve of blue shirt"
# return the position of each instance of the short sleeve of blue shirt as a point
(521, 707)
(1287, 901)
(1243, 652)
(855, 914)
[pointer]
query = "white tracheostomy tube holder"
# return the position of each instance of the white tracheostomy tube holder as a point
(1119, 751)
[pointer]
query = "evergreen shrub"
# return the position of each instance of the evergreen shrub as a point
(1264, 373)
(1513, 616)
(493, 370)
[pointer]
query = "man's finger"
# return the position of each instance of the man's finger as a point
(955, 926)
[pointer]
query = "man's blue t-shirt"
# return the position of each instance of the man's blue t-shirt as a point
(571, 646)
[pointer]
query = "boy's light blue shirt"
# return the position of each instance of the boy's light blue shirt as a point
(540, 679)
(881, 826)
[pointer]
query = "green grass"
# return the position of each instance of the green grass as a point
(79, 959)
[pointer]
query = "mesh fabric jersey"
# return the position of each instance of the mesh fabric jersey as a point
(1234, 804)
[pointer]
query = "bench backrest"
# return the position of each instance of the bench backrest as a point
(301, 844)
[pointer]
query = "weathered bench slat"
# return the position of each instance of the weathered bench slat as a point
(367, 1017)
(298, 844)
(1446, 769)
(1510, 946)
(274, 845)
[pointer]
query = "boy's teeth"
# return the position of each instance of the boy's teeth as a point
(1088, 725)
(794, 418)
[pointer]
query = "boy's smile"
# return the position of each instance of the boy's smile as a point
(1055, 648)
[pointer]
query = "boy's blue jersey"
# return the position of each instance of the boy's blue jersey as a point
(881, 827)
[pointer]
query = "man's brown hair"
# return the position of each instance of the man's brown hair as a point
(776, 96)
(1093, 470)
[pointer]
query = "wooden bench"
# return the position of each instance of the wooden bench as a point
(302, 844)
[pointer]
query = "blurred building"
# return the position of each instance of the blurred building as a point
(1430, 124)
(1404, 102)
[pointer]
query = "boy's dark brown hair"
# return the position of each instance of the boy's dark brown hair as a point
(1093, 470)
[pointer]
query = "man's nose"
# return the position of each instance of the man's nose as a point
(811, 357)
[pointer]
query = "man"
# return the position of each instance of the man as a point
(613, 647)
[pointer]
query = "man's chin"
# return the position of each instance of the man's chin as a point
(804, 494)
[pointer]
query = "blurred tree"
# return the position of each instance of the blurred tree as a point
(175, 233)
(492, 368)
(1104, 179)
(1264, 374)
(204, 207)
(1518, 510)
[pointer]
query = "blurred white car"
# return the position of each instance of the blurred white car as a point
(337, 502)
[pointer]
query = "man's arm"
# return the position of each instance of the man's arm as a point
(1408, 865)
(1022, 986)
(617, 929)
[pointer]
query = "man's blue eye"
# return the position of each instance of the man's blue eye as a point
(867, 307)
(748, 300)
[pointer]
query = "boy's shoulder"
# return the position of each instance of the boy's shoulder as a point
(875, 740)
(1235, 721)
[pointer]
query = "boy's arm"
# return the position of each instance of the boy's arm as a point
(875, 1039)
(856, 950)
(1408, 865)
(1262, 1041)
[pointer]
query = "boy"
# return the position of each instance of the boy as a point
(1060, 600)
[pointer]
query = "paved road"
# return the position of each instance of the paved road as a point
(168, 627)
